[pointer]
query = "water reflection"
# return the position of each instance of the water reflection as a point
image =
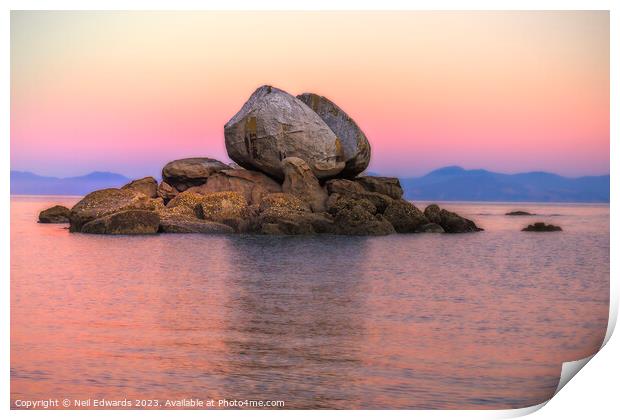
(406, 321)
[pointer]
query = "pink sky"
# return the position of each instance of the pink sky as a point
(129, 91)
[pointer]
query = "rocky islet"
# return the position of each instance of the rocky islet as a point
(298, 170)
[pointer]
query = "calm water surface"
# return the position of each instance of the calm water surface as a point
(406, 321)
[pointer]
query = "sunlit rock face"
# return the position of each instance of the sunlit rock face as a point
(273, 125)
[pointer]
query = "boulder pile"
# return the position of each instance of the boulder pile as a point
(297, 171)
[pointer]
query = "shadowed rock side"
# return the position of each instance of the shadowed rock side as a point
(273, 125)
(355, 145)
(293, 184)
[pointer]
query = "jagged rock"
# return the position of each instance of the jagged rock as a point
(229, 208)
(404, 216)
(146, 185)
(166, 191)
(299, 180)
(382, 185)
(185, 173)
(127, 222)
(172, 225)
(355, 145)
(253, 185)
(519, 213)
(273, 125)
(541, 227)
(56, 214)
(430, 228)
(189, 200)
(104, 202)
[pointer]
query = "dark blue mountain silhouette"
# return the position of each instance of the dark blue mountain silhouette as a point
(29, 183)
(451, 183)
(454, 183)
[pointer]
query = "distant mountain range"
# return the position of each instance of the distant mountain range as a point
(451, 183)
(29, 183)
(454, 183)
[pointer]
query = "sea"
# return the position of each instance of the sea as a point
(408, 321)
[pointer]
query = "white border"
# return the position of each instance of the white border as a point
(589, 387)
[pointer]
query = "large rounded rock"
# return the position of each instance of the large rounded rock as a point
(253, 185)
(56, 214)
(404, 216)
(453, 223)
(146, 186)
(101, 203)
(299, 180)
(355, 145)
(273, 125)
(128, 222)
(185, 173)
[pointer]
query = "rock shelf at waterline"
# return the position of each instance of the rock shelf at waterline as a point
(298, 170)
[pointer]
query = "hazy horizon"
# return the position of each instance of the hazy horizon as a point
(157, 174)
(129, 91)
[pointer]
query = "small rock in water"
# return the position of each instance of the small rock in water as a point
(449, 221)
(56, 214)
(541, 227)
(519, 213)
